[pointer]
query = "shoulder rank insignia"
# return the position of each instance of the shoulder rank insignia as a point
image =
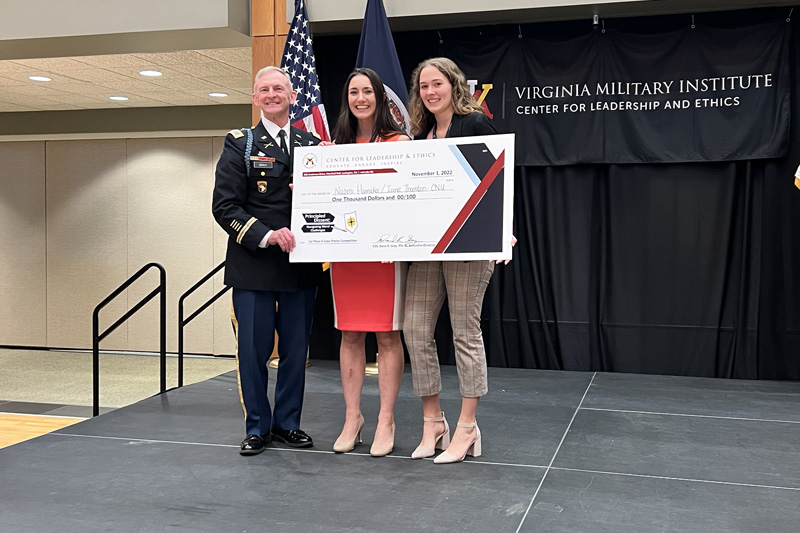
(236, 133)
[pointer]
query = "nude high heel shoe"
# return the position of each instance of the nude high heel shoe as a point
(441, 443)
(474, 449)
(341, 446)
(381, 451)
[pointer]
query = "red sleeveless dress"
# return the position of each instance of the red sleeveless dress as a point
(369, 296)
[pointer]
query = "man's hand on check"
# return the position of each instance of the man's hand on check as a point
(284, 238)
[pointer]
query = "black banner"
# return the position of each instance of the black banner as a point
(696, 94)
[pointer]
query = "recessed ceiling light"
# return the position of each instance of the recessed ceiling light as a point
(118, 98)
(40, 78)
(218, 95)
(150, 73)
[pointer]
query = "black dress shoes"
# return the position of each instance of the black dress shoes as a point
(254, 444)
(294, 438)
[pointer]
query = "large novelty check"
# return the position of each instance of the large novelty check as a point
(442, 200)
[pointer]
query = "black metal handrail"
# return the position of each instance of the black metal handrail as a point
(182, 322)
(97, 337)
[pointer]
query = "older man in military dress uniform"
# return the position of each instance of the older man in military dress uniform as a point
(252, 202)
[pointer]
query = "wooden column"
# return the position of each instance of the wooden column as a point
(269, 30)
(262, 25)
(281, 26)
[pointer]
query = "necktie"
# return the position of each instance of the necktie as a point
(282, 135)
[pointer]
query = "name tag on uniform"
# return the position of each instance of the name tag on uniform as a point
(262, 162)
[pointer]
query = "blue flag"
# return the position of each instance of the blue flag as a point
(376, 51)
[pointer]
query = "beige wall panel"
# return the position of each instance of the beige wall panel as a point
(224, 341)
(23, 260)
(169, 222)
(86, 240)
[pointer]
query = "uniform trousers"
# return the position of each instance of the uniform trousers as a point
(257, 320)
(464, 283)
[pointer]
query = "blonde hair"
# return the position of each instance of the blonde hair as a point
(462, 100)
(276, 69)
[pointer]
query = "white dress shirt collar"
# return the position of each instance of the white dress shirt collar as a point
(273, 130)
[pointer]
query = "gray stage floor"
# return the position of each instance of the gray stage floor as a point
(562, 452)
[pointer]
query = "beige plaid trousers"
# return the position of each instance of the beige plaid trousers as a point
(464, 283)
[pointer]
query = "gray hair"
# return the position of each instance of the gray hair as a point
(276, 69)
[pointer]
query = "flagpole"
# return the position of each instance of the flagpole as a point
(376, 50)
(308, 112)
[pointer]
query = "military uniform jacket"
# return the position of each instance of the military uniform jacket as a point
(251, 197)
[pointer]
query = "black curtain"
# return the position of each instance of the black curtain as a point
(685, 269)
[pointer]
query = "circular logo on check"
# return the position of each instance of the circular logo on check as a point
(309, 160)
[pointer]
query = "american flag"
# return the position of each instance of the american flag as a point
(307, 113)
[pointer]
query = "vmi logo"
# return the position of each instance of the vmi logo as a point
(480, 94)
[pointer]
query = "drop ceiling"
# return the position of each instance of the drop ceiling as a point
(87, 82)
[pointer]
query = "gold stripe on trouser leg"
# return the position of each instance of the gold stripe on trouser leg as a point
(273, 359)
(238, 374)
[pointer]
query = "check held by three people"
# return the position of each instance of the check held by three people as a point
(440, 199)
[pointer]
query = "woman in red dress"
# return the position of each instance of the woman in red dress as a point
(368, 296)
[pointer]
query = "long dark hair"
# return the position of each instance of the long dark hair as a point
(346, 125)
